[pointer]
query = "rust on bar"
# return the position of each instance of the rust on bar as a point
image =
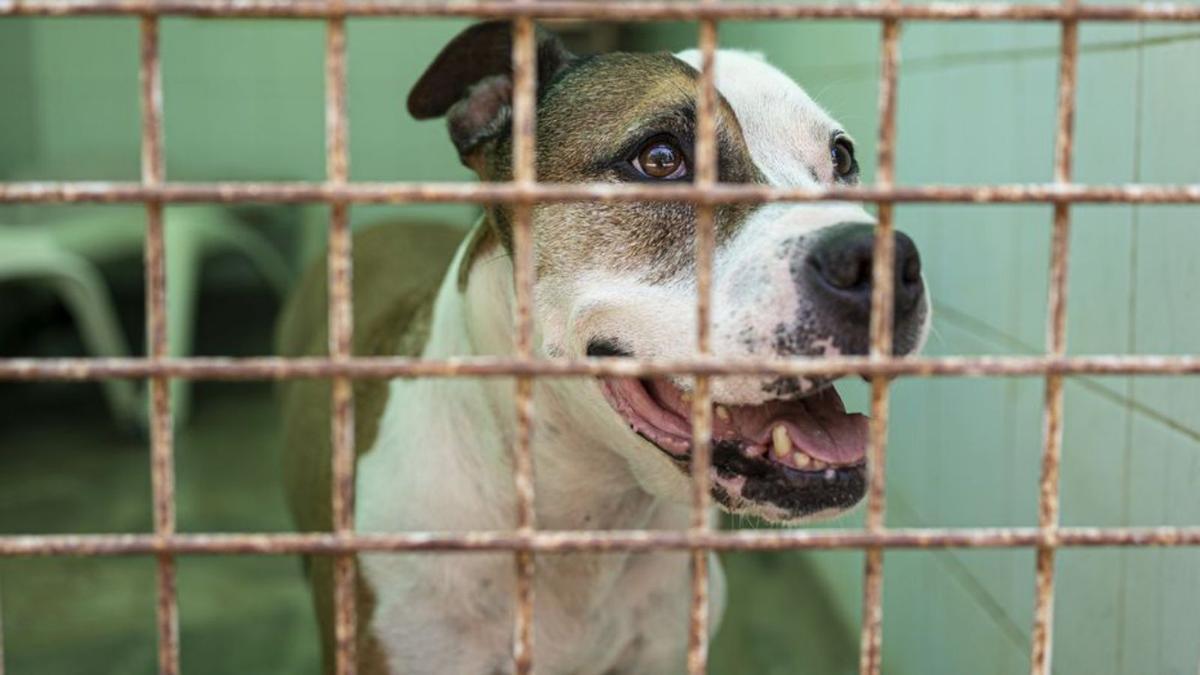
(648, 10)
(509, 193)
(1, 626)
(701, 460)
(341, 329)
(162, 451)
(544, 541)
(1056, 346)
(882, 289)
(274, 368)
(524, 122)
(870, 648)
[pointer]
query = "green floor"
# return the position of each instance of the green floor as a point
(96, 615)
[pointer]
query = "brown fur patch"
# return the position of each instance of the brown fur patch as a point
(592, 119)
(397, 271)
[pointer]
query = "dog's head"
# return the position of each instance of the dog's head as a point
(619, 279)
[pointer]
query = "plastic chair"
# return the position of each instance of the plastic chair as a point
(27, 254)
(64, 253)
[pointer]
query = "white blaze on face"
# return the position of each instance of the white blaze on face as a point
(789, 137)
(787, 132)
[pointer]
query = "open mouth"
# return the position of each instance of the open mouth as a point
(802, 456)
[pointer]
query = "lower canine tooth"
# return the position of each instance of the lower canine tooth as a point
(781, 441)
(723, 413)
(802, 460)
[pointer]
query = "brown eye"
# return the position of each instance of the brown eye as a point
(843, 157)
(660, 159)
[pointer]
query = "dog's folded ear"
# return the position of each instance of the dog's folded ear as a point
(470, 82)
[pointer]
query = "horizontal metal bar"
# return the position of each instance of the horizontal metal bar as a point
(489, 193)
(603, 9)
(544, 541)
(274, 368)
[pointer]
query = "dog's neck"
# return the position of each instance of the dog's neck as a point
(581, 483)
(466, 468)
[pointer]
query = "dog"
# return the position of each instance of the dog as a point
(613, 279)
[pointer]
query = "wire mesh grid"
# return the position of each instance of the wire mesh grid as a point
(522, 193)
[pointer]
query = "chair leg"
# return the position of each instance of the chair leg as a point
(191, 233)
(191, 236)
(183, 257)
(83, 292)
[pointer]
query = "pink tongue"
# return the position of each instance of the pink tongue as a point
(817, 424)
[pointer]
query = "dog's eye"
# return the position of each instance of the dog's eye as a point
(661, 159)
(843, 156)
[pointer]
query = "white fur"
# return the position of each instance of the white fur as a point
(788, 133)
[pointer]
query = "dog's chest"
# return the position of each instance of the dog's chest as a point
(612, 613)
(434, 468)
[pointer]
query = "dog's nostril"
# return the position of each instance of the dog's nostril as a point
(862, 276)
(599, 347)
(912, 269)
(842, 257)
(844, 269)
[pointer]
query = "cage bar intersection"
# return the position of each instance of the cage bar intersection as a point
(341, 367)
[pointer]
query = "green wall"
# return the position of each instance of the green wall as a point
(243, 101)
(976, 105)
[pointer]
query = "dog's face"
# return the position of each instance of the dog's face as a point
(619, 279)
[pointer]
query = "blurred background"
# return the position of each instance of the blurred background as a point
(243, 101)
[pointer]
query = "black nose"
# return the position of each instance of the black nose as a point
(839, 271)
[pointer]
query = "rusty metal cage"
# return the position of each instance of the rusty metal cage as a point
(526, 541)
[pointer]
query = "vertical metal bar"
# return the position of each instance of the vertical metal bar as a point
(524, 56)
(706, 177)
(162, 459)
(1, 624)
(882, 298)
(1056, 343)
(341, 334)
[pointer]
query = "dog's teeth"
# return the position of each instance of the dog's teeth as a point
(830, 474)
(686, 397)
(781, 441)
(723, 413)
(802, 460)
(818, 464)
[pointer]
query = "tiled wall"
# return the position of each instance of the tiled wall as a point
(1132, 446)
(977, 105)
